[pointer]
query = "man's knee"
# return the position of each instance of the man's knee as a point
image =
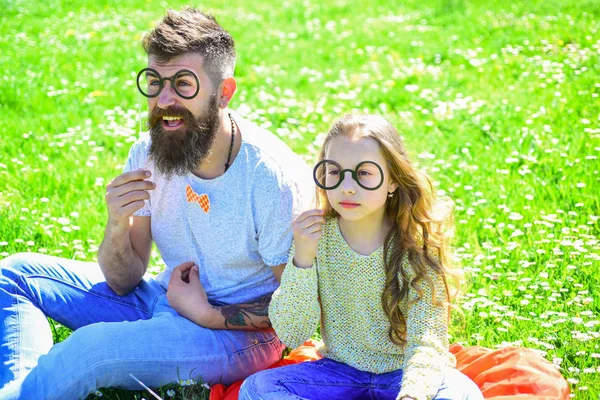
(18, 264)
(13, 267)
(15, 260)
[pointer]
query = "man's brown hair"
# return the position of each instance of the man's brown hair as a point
(193, 31)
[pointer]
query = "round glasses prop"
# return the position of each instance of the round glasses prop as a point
(328, 175)
(184, 82)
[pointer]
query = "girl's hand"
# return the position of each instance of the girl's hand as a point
(307, 232)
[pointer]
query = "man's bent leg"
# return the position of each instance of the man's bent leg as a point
(157, 351)
(35, 286)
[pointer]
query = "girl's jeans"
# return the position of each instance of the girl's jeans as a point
(114, 336)
(326, 379)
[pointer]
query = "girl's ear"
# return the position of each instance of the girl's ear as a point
(392, 187)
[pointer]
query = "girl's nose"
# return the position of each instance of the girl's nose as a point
(348, 184)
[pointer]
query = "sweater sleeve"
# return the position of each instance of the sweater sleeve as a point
(426, 355)
(294, 310)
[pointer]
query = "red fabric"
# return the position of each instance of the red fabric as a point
(306, 352)
(512, 373)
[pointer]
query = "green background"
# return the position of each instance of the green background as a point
(497, 101)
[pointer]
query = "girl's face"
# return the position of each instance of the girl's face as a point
(349, 199)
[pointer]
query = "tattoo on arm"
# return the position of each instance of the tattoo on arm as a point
(254, 314)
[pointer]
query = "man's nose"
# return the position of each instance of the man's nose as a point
(167, 96)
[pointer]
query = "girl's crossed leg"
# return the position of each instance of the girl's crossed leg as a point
(326, 379)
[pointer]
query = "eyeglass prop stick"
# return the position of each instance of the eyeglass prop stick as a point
(146, 387)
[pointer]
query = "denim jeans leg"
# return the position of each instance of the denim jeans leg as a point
(329, 380)
(157, 351)
(455, 386)
(386, 386)
(35, 286)
(324, 379)
(458, 386)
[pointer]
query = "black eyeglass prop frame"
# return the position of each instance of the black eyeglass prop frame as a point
(353, 172)
(172, 79)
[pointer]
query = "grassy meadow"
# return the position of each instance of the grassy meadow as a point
(497, 101)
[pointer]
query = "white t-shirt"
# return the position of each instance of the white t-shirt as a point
(247, 227)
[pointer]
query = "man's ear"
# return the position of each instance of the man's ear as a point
(228, 87)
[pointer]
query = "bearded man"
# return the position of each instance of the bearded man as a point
(215, 193)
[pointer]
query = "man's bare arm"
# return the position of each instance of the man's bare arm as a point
(124, 257)
(187, 296)
(125, 250)
(249, 316)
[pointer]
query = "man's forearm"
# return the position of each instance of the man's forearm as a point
(250, 316)
(122, 267)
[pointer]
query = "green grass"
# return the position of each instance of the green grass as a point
(498, 101)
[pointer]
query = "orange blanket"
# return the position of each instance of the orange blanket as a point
(512, 373)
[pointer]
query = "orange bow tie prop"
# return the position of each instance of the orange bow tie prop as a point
(201, 199)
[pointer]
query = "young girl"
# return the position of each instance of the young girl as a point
(372, 267)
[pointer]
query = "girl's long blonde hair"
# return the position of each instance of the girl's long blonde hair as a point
(421, 222)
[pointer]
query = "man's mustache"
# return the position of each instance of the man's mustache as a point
(157, 114)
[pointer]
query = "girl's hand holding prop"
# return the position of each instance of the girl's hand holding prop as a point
(308, 228)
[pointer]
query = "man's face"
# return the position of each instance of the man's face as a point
(182, 130)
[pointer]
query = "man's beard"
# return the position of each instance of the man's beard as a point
(180, 152)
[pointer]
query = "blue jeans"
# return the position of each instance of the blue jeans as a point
(114, 336)
(326, 379)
